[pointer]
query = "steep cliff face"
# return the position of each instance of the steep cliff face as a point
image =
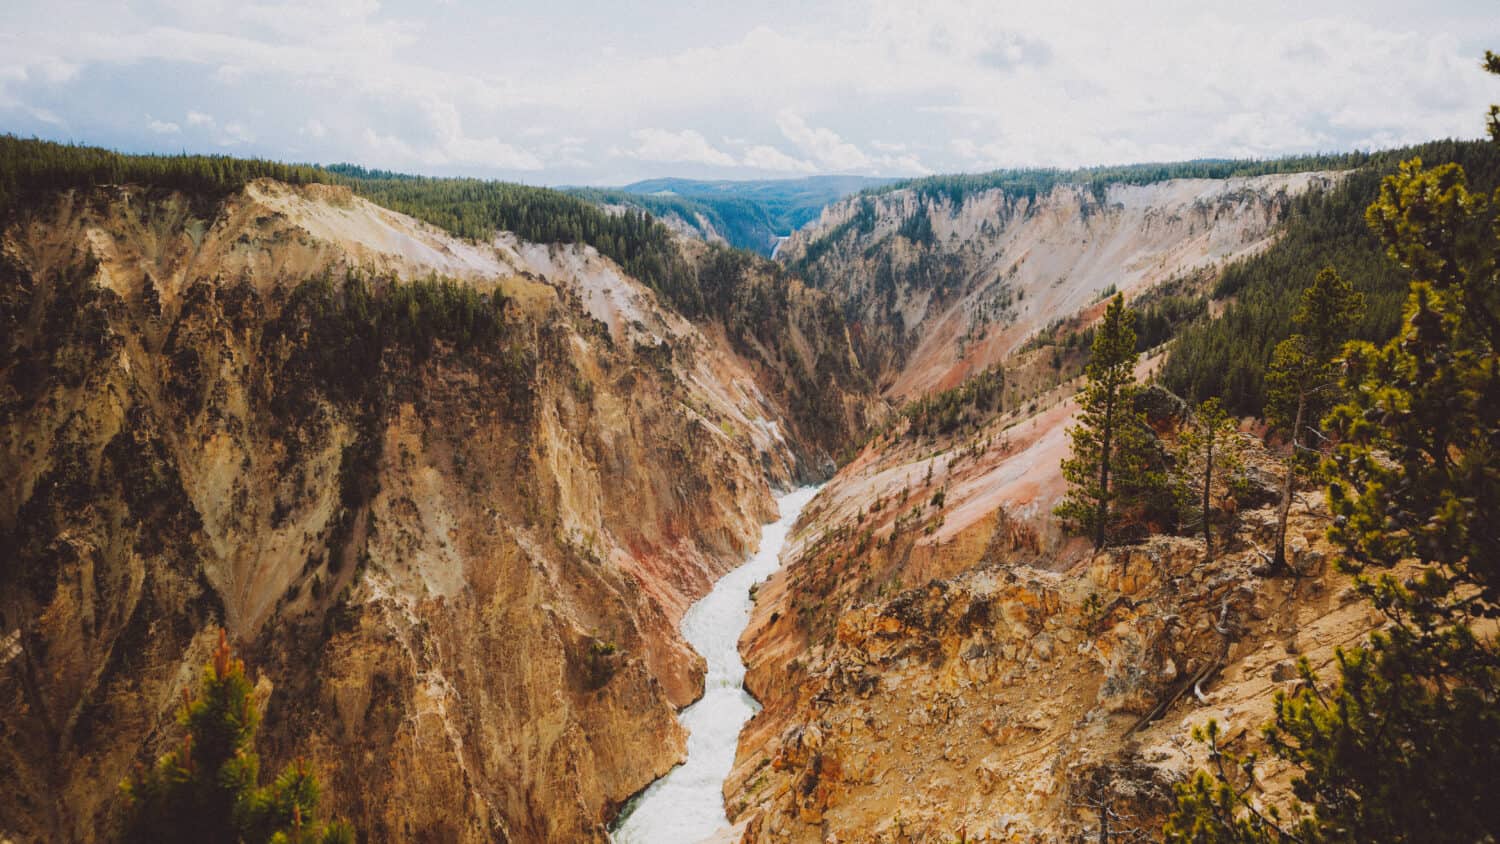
(934, 665)
(938, 286)
(450, 498)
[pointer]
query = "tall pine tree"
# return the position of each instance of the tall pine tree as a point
(1113, 474)
(1301, 380)
(1209, 456)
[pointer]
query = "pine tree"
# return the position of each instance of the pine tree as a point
(1112, 472)
(1209, 457)
(206, 790)
(1404, 746)
(1301, 378)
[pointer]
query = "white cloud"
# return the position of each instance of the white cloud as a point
(235, 133)
(489, 152)
(687, 146)
(823, 145)
(455, 146)
(45, 115)
(450, 145)
(763, 157)
(162, 127)
(904, 165)
(835, 154)
(885, 86)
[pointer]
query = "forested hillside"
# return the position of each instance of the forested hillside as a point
(32, 168)
(1033, 182)
(471, 208)
(475, 208)
(1227, 356)
(749, 215)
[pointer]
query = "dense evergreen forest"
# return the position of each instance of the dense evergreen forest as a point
(31, 167)
(1227, 356)
(742, 223)
(1033, 182)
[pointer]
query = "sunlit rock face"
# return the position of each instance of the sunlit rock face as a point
(456, 569)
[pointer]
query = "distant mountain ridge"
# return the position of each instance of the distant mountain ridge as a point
(750, 215)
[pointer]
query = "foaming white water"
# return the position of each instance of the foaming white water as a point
(687, 805)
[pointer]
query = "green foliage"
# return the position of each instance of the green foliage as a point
(1492, 122)
(29, 168)
(1212, 807)
(207, 791)
(1300, 382)
(970, 403)
(1300, 378)
(918, 227)
(769, 316)
(1031, 183)
(1417, 469)
(1210, 456)
(1160, 319)
(1115, 481)
(1403, 746)
(1227, 356)
(742, 223)
(339, 334)
(860, 223)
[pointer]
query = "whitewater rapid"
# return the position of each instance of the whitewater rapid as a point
(687, 805)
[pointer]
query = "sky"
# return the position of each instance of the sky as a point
(604, 93)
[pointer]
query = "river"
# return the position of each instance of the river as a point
(687, 805)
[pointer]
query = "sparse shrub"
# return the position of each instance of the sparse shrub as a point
(206, 791)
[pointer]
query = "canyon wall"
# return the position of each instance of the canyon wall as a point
(940, 285)
(449, 498)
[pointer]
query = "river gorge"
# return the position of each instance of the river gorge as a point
(687, 805)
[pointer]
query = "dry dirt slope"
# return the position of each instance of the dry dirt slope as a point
(456, 573)
(931, 666)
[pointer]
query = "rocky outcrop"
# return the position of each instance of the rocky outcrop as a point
(453, 542)
(917, 688)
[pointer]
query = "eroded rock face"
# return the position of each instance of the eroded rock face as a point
(1023, 683)
(456, 567)
(998, 267)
